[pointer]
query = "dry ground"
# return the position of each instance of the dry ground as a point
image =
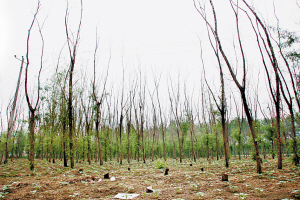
(53, 181)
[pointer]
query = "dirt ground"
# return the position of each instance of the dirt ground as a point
(53, 181)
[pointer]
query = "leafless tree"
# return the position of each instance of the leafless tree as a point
(275, 92)
(72, 45)
(188, 105)
(12, 113)
(122, 105)
(213, 28)
(141, 104)
(222, 104)
(162, 123)
(86, 110)
(62, 82)
(154, 122)
(240, 119)
(174, 97)
(98, 101)
(32, 109)
(286, 92)
(129, 119)
(110, 124)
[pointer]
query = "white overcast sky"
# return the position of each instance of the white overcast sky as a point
(161, 34)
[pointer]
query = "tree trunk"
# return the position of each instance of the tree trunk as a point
(240, 141)
(121, 147)
(207, 145)
(164, 142)
(142, 133)
(70, 115)
(279, 148)
(153, 137)
(128, 139)
(89, 144)
(11, 121)
(98, 135)
(225, 140)
(285, 141)
(253, 132)
(192, 141)
(31, 139)
(138, 146)
(64, 128)
(217, 145)
(296, 157)
(180, 147)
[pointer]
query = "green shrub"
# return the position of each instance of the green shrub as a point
(292, 159)
(253, 156)
(160, 164)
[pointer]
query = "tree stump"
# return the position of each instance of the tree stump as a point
(202, 169)
(167, 171)
(128, 168)
(191, 164)
(224, 177)
(80, 170)
(106, 176)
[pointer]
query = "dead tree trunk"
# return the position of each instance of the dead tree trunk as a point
(11, 121)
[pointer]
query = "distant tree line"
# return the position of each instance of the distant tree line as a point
(91, 122)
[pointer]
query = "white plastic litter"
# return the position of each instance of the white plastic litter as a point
(149, 189)
(112, 178)
(125, 196)
(99, 180)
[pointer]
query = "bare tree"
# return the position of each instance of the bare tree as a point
(275, 92)
(240, 119)
(32, 109)
(142, 101)
(154, 122)
(86, 110)
(121, 119)
(72, 45)
(242, 87)
(188, 104)
(110, 124)
(222, 104)
(286, 92)
(162, 123)
(98, 101)
(62, 82)
(174, 98)
(12, 112)
(129, 118)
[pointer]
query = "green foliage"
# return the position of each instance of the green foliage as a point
(235, 134)
(21, 142)
(160, 164)
(269, 132)
(185, 126)
(253, 155)
(2, 142)
(292, 159)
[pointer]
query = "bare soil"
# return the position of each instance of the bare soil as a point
(53, 181)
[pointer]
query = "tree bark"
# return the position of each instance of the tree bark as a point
(31, 139)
